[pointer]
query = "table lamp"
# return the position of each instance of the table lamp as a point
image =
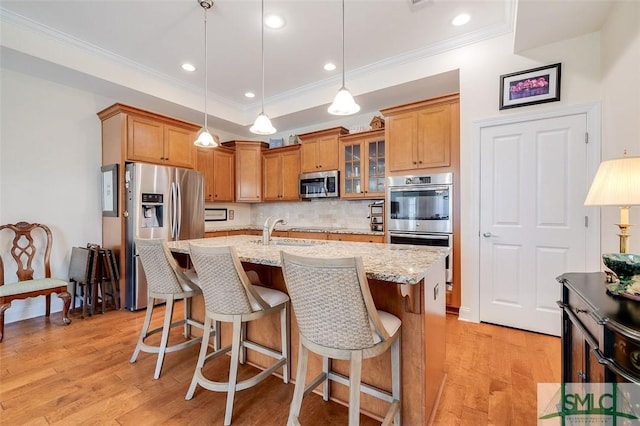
(617, 183)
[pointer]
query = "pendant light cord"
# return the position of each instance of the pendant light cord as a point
(206, 89)
(262, 50)
(343, 44)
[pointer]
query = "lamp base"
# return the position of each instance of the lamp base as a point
(624, 236)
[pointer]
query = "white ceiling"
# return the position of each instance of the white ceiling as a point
(131, 50)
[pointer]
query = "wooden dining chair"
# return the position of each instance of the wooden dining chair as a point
(30, 250)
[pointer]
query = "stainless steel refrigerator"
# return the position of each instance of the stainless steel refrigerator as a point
(161, 202)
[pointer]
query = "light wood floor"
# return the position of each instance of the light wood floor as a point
(80, 374)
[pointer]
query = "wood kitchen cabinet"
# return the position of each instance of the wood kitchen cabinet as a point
(423, 138)
(148, 137)
(248, 165)
(218, 167)
(419, 135)
(281, 170)
(362, 165)
(319, 150)
(361, 238)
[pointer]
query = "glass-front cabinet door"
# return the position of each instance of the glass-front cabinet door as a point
(362, 165)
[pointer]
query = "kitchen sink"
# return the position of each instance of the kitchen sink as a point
(293, 242)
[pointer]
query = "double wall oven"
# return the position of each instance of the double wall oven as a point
(419, 212)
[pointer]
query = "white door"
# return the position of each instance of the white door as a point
(532, 220)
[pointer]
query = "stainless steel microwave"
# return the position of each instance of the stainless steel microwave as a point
(319, 184)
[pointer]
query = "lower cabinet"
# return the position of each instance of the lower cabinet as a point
(362, 238)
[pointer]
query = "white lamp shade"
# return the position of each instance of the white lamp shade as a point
(343, 104)
(205, 139)
(617, 183)
(262, 125)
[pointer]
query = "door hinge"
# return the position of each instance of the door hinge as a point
(586, 137)
(586, 221)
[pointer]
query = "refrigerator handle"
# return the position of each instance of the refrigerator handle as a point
(179, 211)
(173, 210)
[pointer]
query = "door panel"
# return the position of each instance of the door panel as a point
(533, 184)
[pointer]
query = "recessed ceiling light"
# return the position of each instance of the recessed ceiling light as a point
(188, 67)
(274, 21)
(250, 95)
(461, 19)
(329, 66)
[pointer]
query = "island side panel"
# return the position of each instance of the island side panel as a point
(434, 316)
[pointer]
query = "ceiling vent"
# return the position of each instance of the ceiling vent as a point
(417, 4)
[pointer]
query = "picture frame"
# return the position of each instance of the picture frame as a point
(530, 87)
(215, 215)
(109, 190)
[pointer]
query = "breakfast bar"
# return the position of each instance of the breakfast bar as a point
(407, 281)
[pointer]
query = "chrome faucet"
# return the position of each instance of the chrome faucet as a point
(267, 229)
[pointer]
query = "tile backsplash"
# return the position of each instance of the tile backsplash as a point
(324, 213)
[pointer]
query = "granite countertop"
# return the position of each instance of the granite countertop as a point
(327, 230)
(404, 264)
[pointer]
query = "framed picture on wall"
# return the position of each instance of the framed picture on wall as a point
(110, 190)
(530, 87)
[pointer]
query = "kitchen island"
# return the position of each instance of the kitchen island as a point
(407, 281)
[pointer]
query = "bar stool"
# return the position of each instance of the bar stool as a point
(80, 267)
(230, 296)
(167, 282)
(337, 319)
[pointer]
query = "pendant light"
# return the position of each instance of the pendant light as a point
(205, 139)
(262, 125)
(343, 103)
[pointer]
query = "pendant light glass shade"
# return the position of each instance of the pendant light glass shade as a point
(343, 103)
(262, 125)
(205, 139)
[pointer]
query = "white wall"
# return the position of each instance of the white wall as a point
(50, 156)
(621, 107)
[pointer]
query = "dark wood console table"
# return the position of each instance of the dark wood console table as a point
(600, 332)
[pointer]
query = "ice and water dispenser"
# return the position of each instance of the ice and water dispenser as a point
(152, 210)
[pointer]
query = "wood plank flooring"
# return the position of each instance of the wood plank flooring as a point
(81, 374)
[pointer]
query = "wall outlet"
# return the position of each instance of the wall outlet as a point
(230, 214)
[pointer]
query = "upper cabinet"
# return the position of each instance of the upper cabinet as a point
(319, 150)
(218, 167)
(281, 170)
(419, 135)
(362, 165)
(149, 137)
(248, 165)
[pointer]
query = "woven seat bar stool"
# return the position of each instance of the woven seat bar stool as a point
(230, 296)
(337, 319)
(165, 281)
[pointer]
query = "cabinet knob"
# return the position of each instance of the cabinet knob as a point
(420, 162)
(582, 375)
(415, 162)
